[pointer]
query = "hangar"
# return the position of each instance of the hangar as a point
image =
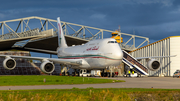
(166, 47)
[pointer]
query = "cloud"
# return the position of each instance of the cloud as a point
(98, 16)
(147, 17)
(2, 15)
(163, 2)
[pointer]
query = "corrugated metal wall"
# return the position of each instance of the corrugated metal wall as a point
(159, 48)
(175, 50)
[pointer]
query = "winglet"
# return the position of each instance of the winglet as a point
(61, 38)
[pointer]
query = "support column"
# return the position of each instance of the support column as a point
(2, 30)
(46, 25)
(84, 32)
(21, 26)
(102, 34)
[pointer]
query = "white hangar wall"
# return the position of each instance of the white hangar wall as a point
(165, 47)
(175, 50)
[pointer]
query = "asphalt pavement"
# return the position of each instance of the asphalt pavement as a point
(143, 82)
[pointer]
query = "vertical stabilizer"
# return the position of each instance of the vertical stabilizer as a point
(61, 38)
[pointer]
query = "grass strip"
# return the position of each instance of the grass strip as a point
(115, 94)
(50, 80)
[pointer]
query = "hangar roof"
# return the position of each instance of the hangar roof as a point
(48, 44)
(52, 43)
(154, 43)
(7, 44)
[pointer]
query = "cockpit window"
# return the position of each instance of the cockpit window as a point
(114, 34)
(112, 42)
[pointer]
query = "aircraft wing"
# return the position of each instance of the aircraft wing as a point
(41, 50)
(153, 57)
(54, 60)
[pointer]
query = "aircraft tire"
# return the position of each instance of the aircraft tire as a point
(102, 74)
(112, 74)
(105, 74)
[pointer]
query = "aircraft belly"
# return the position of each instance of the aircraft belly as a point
(102, 63)
(113, 62)
(96, 62)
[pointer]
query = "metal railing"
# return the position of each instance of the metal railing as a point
(70, 29)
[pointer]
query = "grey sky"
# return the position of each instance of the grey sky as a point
(155, 19)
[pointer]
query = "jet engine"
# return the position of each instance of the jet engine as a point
(153, 64)
(47, 67)
(9, 63)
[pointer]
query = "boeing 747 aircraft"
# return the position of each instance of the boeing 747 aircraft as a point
(96, 54)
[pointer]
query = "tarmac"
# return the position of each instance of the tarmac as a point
(143, 82)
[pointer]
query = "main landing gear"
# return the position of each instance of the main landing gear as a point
(107, 74)
(64, 70)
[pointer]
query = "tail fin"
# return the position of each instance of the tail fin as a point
(61, 38)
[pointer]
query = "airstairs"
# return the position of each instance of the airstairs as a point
(134, 64)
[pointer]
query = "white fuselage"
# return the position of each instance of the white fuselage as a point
(96, 54)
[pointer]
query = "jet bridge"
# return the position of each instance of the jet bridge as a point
(134, 64)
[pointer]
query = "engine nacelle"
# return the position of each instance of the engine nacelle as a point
(9, 63)
(153, 64)
(47, 67)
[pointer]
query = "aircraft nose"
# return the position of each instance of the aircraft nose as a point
(120, 55)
